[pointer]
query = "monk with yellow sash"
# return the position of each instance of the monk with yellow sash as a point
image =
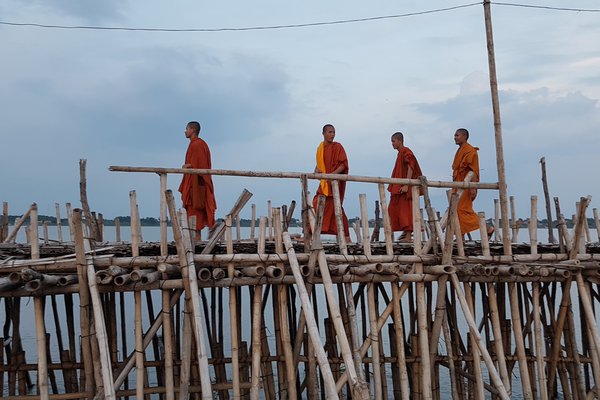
(331, 159)
(466, 160)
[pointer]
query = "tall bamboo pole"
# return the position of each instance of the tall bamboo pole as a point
(90, 219)
(597, 223)
(4, 227)
(70, 221)
(539, 346)
(497, 127)
(166, 295)
(253, 222)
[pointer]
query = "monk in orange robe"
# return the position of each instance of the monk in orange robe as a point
(400, 208)
(466, 160)
(331, 159)
(197, 191)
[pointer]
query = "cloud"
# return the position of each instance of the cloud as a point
(91, 11)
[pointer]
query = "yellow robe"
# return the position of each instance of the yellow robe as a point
(465, 160)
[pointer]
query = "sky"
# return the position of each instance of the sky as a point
(262, 97)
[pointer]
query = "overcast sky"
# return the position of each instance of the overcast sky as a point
(124, 97)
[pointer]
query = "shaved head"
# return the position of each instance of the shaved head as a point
(398, 136)
(195, 125)
(327, 126)
(463, 132)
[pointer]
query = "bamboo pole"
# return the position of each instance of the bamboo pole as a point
(90, 219)
(597, 223)
(45, 232)
(233, 322)
(497, 127)
(13, 234)
(485, 244)
(497, 228)
(118, 230)
(387, 226)
(374, 343)
(311, 322)
(366, 240)
(299, 175)
(101, 335)
(551, 238)
(4, 227)
(513, 221)
(539, 347)
(40, 326)
(137, 295)
(478, 340)
(58, 223)
(181, 235)
(479, 393)
(421, 302)
(270, 220)
(253, 222)
(533, 226)
(84, 302)
(290, 366)
(256, 340)
(166, 296)
(337, 205)
(70, 221)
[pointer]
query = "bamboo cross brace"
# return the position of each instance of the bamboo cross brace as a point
(331, 392)
(479, 341)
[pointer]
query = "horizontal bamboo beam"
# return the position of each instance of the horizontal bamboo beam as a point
(299, 175)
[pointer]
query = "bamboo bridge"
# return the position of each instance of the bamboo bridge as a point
(283, 316)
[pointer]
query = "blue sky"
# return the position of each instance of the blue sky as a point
(123, 98)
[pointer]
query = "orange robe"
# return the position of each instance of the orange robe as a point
(197, 191)
(400, 208)
(465, 160)
(334, 155)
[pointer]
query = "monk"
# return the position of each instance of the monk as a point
(466, 160)
(331, 159)
(400, 208)
(197, 191)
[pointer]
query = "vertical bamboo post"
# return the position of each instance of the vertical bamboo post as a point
(597, 223)
(485, 244)
(290, 366)
(4, 227)
(365, 224)
(479, 394)
(166, 295)
(562, 241)
(337, 204)
(513, 221)
(497, 127)
(519, 342)
(90, 219)
(539, 345)
(270, 219)
(59, 235)
(253, 222)
(118, 230)
(45, 231)
(374, 342)
(533, 220)
(307, 214)
(551, 238)
(84, 302)
(423, 329)
(100, 227)
(181, 235)
(137, 295)
(387, 226)
(38, 302)
(233, 322)
(498, 342)
(256, 338)
(238, 229)
(497, 227)
(70, 221)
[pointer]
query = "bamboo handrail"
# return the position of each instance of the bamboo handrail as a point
(299, 175)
